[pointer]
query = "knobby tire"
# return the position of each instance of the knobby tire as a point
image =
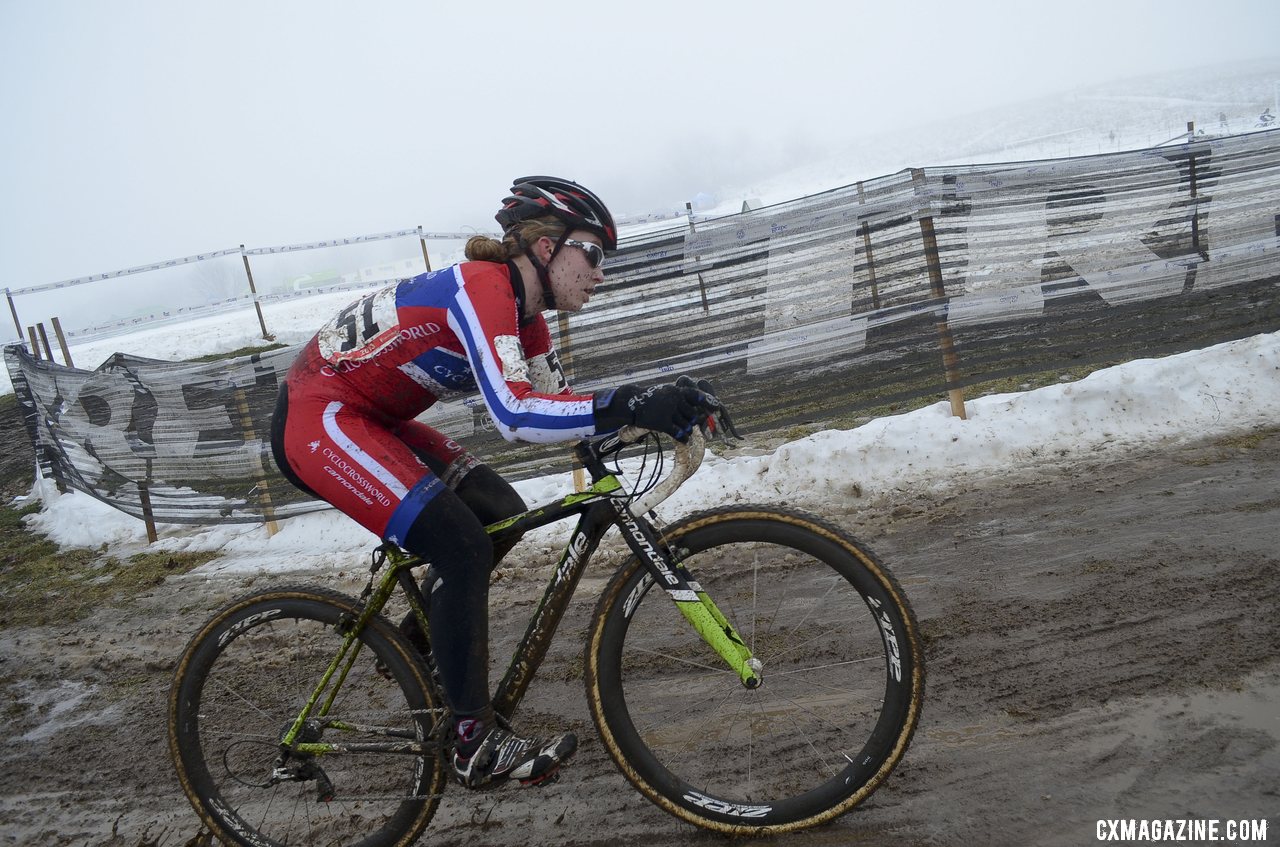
(842, 665)
(238, 686)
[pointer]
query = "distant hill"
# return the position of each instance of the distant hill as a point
(1127, 114)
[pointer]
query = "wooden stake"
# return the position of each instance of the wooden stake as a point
(254, 291)
(702, 285)
(144, 497)
(13, 310)
(264, 492)
(950, 361)
(35, 344)
(44, 341)
(1195, 208)
(423, 241)
(62, 342)
(871, 267)
(864, 228)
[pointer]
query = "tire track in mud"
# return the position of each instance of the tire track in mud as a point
(1103, 645)
(1130, 627)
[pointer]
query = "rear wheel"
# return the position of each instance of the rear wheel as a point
(841, 661)
(242, 682)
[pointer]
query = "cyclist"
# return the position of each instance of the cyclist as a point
(345, 429)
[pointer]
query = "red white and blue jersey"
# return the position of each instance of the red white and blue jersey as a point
(349, 434)
(441, 335)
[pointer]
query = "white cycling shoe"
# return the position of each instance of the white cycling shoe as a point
(503, 755)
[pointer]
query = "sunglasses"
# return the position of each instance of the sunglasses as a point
(595, 253)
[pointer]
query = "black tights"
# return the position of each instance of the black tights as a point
(449, 533)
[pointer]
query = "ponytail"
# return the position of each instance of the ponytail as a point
(482, 248)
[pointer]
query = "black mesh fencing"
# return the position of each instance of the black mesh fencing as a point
(929, 284)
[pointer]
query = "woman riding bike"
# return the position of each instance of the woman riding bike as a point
(345, 429)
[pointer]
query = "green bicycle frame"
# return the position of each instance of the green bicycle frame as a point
(598, 509)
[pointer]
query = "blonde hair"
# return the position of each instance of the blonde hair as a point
(482, 248)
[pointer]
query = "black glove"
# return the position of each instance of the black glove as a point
(673, 409)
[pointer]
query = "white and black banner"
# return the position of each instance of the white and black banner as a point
(862, 298)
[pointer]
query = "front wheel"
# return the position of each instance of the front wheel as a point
(243, 681)
(840, 656)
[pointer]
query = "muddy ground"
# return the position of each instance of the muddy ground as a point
(1103, 642)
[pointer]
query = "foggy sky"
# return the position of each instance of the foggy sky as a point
(141, 131)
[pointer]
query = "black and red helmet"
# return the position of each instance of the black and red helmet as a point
(578, 208)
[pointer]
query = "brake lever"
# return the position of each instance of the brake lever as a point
(719, 426)
(724, 420)
(720, 422)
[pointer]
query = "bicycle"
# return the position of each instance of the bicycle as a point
(284, 729)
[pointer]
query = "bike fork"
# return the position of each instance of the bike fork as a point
(693, 602)
(715, 629)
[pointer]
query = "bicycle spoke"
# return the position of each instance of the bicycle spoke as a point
(797, 646)
(235, 694)
(721, 671)
(835, 582)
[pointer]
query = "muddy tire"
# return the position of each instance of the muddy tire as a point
(239, 686)
(842, 666)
